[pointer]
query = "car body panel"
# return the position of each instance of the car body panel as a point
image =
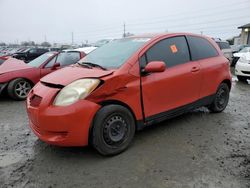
(76, 73)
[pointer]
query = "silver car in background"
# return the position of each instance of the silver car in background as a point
(226, 49)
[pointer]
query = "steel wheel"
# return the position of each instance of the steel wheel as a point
(115, 130)
(221, 98)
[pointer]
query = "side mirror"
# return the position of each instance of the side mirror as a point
(155, 66)
(55, 66)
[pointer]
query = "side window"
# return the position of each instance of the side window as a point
(51, 62)
(68, 58)
(200, 48)
(173, 51)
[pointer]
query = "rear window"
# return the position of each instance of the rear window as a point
(200, 48)
(223, 45)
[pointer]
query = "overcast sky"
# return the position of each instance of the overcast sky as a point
(55, 20)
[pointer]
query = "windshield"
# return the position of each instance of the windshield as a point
(115, 53)
(40, 60)
(245, 50)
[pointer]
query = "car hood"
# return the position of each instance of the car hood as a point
(13, 64)
(246, 56)
(69, 74)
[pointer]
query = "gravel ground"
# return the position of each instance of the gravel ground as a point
(197, 149)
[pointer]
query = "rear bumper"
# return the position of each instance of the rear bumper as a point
(63, 126)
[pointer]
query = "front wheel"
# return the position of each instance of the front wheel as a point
(18, 89)
(221, 99)
(113, 130)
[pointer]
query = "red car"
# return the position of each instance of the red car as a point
(3, 59)
(126, 85)
(18, 77)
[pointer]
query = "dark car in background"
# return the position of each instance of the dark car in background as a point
(226, 49)
(29, 54)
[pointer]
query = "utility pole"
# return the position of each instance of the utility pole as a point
(72, 38)
(45, 38)
(124, 30)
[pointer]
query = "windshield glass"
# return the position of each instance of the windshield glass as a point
(115, 53)
(40, 60)
(245, 50)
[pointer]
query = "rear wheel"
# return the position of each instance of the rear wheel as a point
(242, 78)
(18, 89)
(113, 129)
(221, 99)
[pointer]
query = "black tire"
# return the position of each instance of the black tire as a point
(242, 78)
(113, 130)
(221, 99)
(18, 89)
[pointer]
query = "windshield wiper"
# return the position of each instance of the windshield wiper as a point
(89, 64)
(85, 65)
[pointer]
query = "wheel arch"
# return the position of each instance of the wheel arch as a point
(28, 80)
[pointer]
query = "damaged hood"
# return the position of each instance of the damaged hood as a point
(69, 74)
(13, 64)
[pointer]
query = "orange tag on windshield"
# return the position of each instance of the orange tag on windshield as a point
(174, 48)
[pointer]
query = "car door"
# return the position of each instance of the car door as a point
(174, 88)
(48, 68)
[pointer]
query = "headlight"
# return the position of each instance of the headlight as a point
(243, 60)
(75, 91)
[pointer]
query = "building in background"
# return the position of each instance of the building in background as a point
(245, 34)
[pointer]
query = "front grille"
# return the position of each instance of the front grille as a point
(246, 72)
(35, 100)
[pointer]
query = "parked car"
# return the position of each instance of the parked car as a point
(30, 54)
(126, 85)
(18, 77)
(226, 49)
(236, 56)
(3, 59)
(100, 43)
(237, 48)
(242, 68)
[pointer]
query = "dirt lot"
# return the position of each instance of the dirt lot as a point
(197, 149)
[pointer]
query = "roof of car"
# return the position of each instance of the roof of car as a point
(156, 35)
(244, 26)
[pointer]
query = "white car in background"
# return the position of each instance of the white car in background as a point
(242, 52)
(236, 56)
(85, 50)
(242, 68)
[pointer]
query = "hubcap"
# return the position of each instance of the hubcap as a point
(22, 89)
(115, 130)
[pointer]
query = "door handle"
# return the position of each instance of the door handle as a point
(195, 69)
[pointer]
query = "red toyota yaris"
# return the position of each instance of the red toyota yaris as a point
(126, 85)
